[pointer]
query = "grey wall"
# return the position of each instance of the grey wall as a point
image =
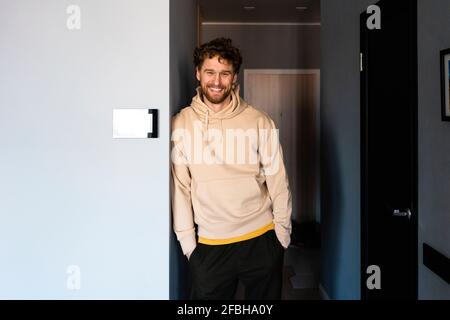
(70, 194)
(270, 47)
(340, 151)
(434, 144)
(340, 125)
(183, 38)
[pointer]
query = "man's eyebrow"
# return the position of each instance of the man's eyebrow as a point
(206, 70)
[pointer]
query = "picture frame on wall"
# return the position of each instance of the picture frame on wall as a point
(445, 84)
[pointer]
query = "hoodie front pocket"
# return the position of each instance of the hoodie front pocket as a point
(235, 197)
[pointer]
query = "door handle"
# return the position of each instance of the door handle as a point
(399, 213)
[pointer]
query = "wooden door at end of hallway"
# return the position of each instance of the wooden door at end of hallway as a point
(291, 99)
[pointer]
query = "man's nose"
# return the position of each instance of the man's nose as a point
(217, 79)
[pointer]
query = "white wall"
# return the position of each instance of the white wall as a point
(69, 193)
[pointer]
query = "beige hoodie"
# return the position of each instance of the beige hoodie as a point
(228, 175)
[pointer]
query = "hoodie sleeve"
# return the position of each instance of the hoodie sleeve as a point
(182, 213)
(271, 155)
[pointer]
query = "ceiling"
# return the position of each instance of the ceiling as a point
(264, 11)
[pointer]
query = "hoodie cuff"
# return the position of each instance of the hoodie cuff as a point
(188, 244)
(283, 235)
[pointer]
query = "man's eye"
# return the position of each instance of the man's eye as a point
(209, 73)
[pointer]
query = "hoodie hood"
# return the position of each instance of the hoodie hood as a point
(207, 116)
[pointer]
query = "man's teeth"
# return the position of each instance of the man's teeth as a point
(216, 90)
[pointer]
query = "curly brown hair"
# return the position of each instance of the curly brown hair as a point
(221, 47)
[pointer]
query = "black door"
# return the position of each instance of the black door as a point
(389, 151)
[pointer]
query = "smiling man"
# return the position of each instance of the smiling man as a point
(231, 182)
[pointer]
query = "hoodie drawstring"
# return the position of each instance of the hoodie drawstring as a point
(206, 123)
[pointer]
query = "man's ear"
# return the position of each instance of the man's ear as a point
(197, 73)
(235, 78)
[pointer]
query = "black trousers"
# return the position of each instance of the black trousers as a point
(258, 263)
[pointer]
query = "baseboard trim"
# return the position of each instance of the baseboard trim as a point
(323, 292)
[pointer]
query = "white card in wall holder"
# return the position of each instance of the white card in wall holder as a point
(135, 123)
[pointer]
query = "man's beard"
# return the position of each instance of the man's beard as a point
(217, 99)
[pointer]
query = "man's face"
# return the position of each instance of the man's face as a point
(216, 79)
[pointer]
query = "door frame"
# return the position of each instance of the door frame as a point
(413, 101)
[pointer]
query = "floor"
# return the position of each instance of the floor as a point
(300, 275)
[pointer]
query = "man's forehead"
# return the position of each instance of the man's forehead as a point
(217, 62)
